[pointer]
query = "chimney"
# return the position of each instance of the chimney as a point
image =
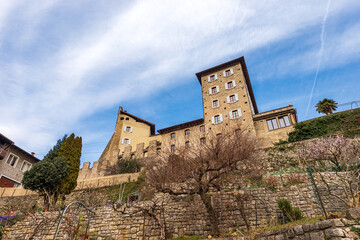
(32, 154)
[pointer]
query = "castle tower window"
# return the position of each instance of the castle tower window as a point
(187, 144)
(232, 98)
(202, 141)
(217, 119)
(172, 136)
(228, 72)
(172, 148)
(230, 84)
(214, 90)
(284, 121)
(128, 129)
(272, 124)
(187, 132)
(235, 114)
(212, 78)
(202, 128)
(215, 103)
(126, 141)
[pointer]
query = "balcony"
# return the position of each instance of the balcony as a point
(2, 153)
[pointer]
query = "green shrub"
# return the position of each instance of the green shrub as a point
(346, 122)
(131, 165)
(290, 214)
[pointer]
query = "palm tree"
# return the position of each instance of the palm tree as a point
(326, 106)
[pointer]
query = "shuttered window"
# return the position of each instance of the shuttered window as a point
(215, 103)
(217, 119)
(230, 85)
(126, 141)
(232, 98)
(212, 78)
(228, 72)
(214, 90)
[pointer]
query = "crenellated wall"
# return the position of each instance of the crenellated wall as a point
(100, 169)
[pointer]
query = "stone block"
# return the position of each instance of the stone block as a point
(290, 233)
(338, 223)
(299, 230)
(334, 232)
(316, 235)
(326, 224)
(279, 237)
(353, 213)
(306, 227)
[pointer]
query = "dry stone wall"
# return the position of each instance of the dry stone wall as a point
(186, 215)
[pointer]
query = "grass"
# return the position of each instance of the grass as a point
(254, 232)
(130, 188)
(346, 122)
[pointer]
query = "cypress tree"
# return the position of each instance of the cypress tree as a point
(71, 151)
(53, 153)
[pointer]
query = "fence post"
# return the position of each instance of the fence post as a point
(316, 191)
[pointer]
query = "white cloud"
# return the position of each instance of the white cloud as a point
(129, 53)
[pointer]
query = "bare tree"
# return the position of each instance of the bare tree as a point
(203, 167)
(342, 156)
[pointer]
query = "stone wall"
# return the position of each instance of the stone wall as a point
(324, 230)
(81, 184)
(186, 215)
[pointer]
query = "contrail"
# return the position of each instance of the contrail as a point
(322, 40)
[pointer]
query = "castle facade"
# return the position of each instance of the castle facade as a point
(228, 103)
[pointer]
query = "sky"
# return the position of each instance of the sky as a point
(67, 66)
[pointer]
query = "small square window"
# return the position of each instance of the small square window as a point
(187, 132)
(187, 144)
(219, 135)
(12, 160)
(232, 98)
(202, 128)
(128, 129)
(172, 136)
(238, 132)
(215, 103)
(202, 140)
(172, 148)
(25, 166)
(216, 118)
(126, 141)
(227, 72)
(212, 77)
(230, 85)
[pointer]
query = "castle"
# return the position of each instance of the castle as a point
(228, 102)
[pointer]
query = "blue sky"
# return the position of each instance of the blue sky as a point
(66, 66)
